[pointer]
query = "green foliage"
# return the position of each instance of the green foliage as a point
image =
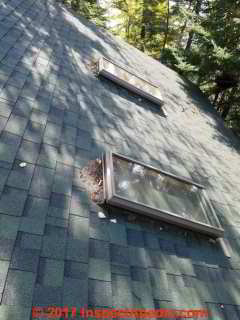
(142, 22)
(94, 13)
(200, 39)
(202, 43)
(90, 9)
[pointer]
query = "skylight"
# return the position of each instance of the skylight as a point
(137, 187)
(129, 80)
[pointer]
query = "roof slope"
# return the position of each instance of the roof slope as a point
(55, 115)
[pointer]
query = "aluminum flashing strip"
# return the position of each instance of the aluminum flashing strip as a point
(134, 186)
(127, 79)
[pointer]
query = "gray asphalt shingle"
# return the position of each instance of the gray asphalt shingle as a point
(47, 296)
(14, 312)
(98, 229)
(20, 177)
(79, 203)
(48, 156)
(16, 124)
(39, 117)
(32, 225)
(17, 79)
(75, 292)
(6, 247)
(77, 250)
(19, 288)
(12, 201)
(4, 265)
(42, 182)
(54, 242)
(3, 178)
(9, 93)
(41, 103)
(159, 284)
(9, 144)
(118, 234)
(50, 272)
(63, 181)
(83, 140)
(52, 134)
(3, 122)
(76, 270)
(22, 108)
(122, 292)
(36, 207)
(55, 115)
(30, 241)
(28, 151)
(99, 249)
(119, 254)
(78, 228)
(25, 259)
(135, 238)
(99, 269)
(34, 132)
(5, 108)
(99, 293)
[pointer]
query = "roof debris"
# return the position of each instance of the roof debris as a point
(92, 180)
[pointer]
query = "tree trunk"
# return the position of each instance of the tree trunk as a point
(220, 103)
(128, 28)
(185, 25)
(143, 25)
(167, 29)
(229, 104)
(147, 23)
(191, 33)
(189, 42)
(216, 97)
(226, 111)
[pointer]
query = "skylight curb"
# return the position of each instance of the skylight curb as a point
(122, 76)
(117, 200)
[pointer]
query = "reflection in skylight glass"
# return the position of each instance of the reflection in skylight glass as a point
(158, 190)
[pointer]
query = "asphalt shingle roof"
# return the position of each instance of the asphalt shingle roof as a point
(55, 115)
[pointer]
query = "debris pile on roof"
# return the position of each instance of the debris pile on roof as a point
(92, 179)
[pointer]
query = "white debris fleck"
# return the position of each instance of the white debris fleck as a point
(22, 164)
(194, 189)
(101, 215)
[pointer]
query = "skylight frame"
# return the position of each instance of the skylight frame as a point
(114, 199)
(126, 84)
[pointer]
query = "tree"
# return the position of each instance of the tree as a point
(223, 26)
(200, 39)
(90, 9)
(167, 27)
(197, 8)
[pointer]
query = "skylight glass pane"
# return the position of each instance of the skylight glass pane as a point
(156, 189)
(129, 80)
